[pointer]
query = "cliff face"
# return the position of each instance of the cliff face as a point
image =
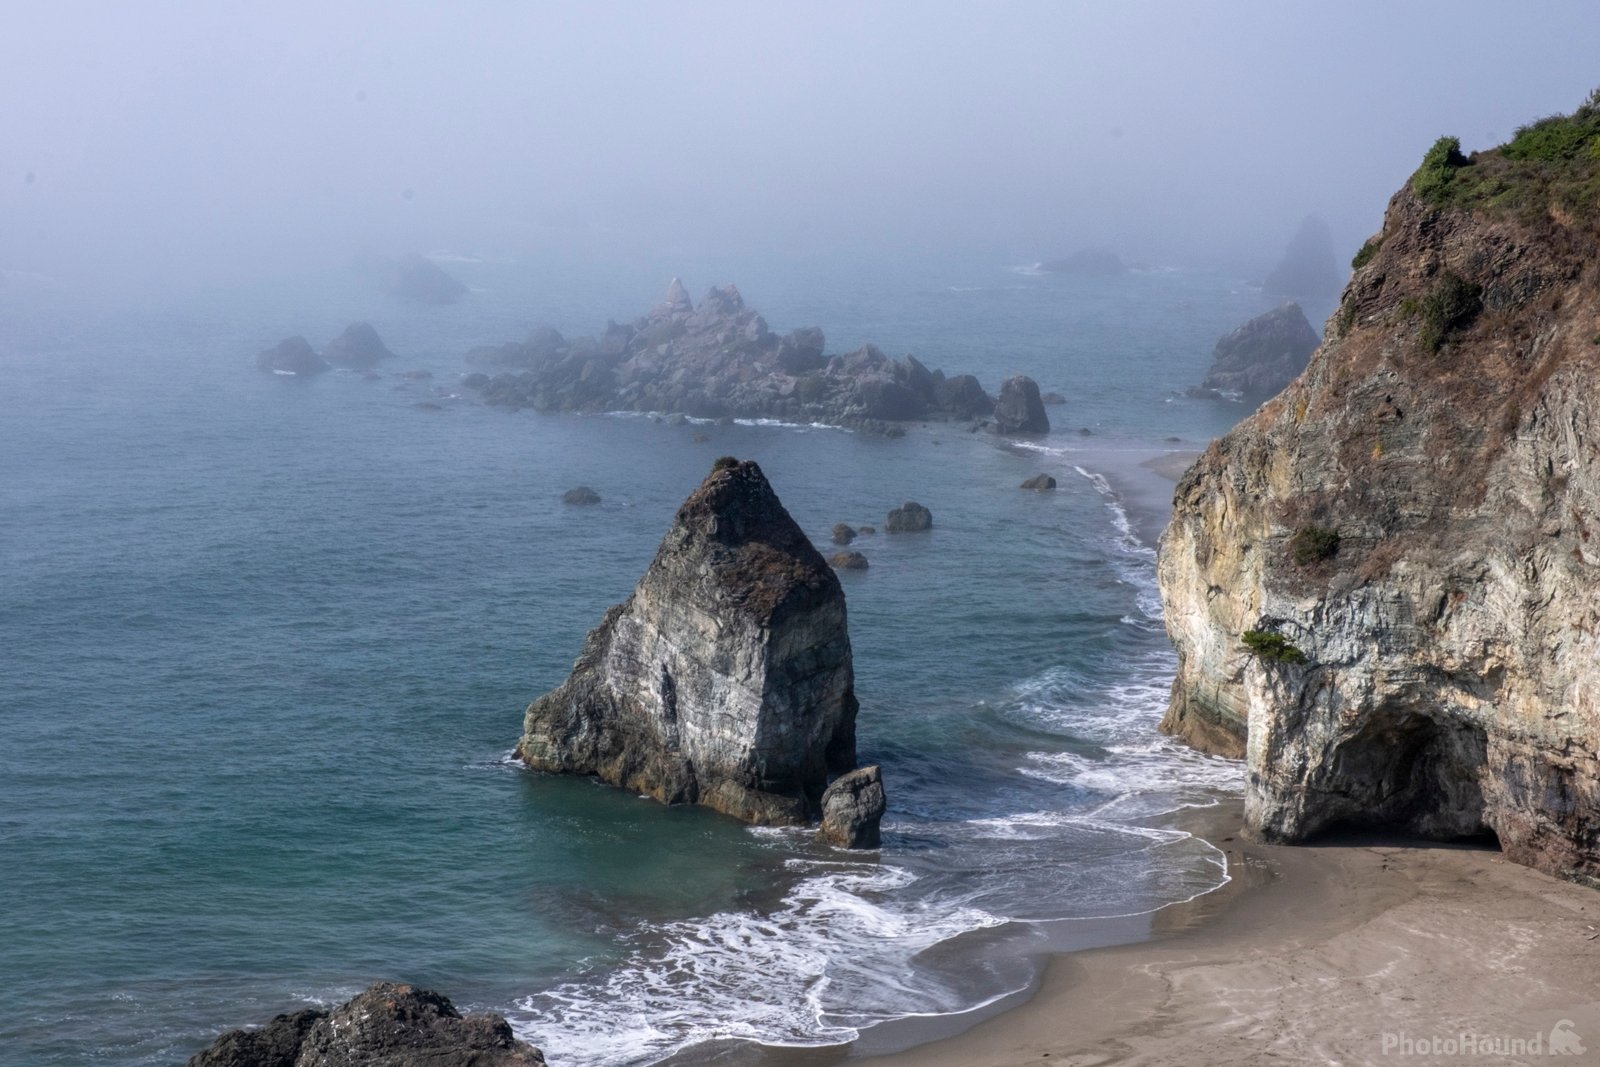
(1407, 536)
(725, 679)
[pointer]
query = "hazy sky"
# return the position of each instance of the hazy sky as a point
(176, 138)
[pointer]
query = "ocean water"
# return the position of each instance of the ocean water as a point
(265, 645)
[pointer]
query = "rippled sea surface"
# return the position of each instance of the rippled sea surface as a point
(267, 642)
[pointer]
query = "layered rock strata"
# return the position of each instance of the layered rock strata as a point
(1381, 585)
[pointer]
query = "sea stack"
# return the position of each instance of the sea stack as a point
(1019, 409)
(725, 679)
(1381, 584)
(1258, 359)
(359, 347)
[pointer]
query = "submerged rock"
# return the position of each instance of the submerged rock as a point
(292, 355)
(910, 517)
(388, 1025)
(1019, 410)
(1040, 482)
(852, 808)
(848, 561)
(358, 347)
(1380, 585)
(1258, 359)
(725, 679)
(581, 496)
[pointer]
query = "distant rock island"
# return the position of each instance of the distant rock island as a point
(1258, 359)
(1090, 261)
(414, 279)
(388, 1025)
(720, 360)
(726, 679)
(1308, 267)
(358, 348)
(1381, 584)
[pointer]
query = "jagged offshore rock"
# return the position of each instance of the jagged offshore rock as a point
(910, 517)
(1381, 585)
(852, 809)
(292, 355)
(725, 679)
(1019, 410)
(388, 1025)
(1261, 357)
(1308, 267)
(358, 347)
(719, 360)
(416, 279)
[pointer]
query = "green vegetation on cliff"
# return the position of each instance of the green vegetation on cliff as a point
(1271, 647)
(1549, 166)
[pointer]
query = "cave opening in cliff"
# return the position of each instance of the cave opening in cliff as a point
(1407, 772)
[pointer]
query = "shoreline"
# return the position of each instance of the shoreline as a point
(1336, 952)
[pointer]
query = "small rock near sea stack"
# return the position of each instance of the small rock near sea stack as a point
(866, 531)
(843, 533)
(848, 561)
(853, 807)
(359, 347)
(292, 355)
(1053, 398)
(1019, 409)
(1040, 482)
(388, 1024)
(725, 679)
(910, 517)
(581, 496)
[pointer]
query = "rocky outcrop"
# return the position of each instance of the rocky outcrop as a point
(580, 496)
(718, 360)
(852, 809)
(910, 517)
(725, 679)
(1019, 410)
(358, 347)
(1308, 267)
(843, 533)
(416, 279)
(1261, 357)
(1381, 584)
(388, 1025)
(1039, 483)
(292, 355)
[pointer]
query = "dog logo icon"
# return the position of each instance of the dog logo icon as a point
(1564, 1042)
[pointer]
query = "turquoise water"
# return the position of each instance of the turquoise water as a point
(267, 643)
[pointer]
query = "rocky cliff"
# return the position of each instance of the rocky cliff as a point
(1381, 585)
(719, 359)
(725, 679)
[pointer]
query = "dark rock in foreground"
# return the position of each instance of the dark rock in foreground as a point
(386, 1026)
(721, 360)
(725, 679)
(848, 561)
(852, 809)
(1020, 409)
(1260, 358)
(1040, 482)
(581, 495)
(910, 517)
(292, 355)
(359, 347)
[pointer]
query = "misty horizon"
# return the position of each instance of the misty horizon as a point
(160, 146)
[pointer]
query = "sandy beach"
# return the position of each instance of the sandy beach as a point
(1350, 951)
